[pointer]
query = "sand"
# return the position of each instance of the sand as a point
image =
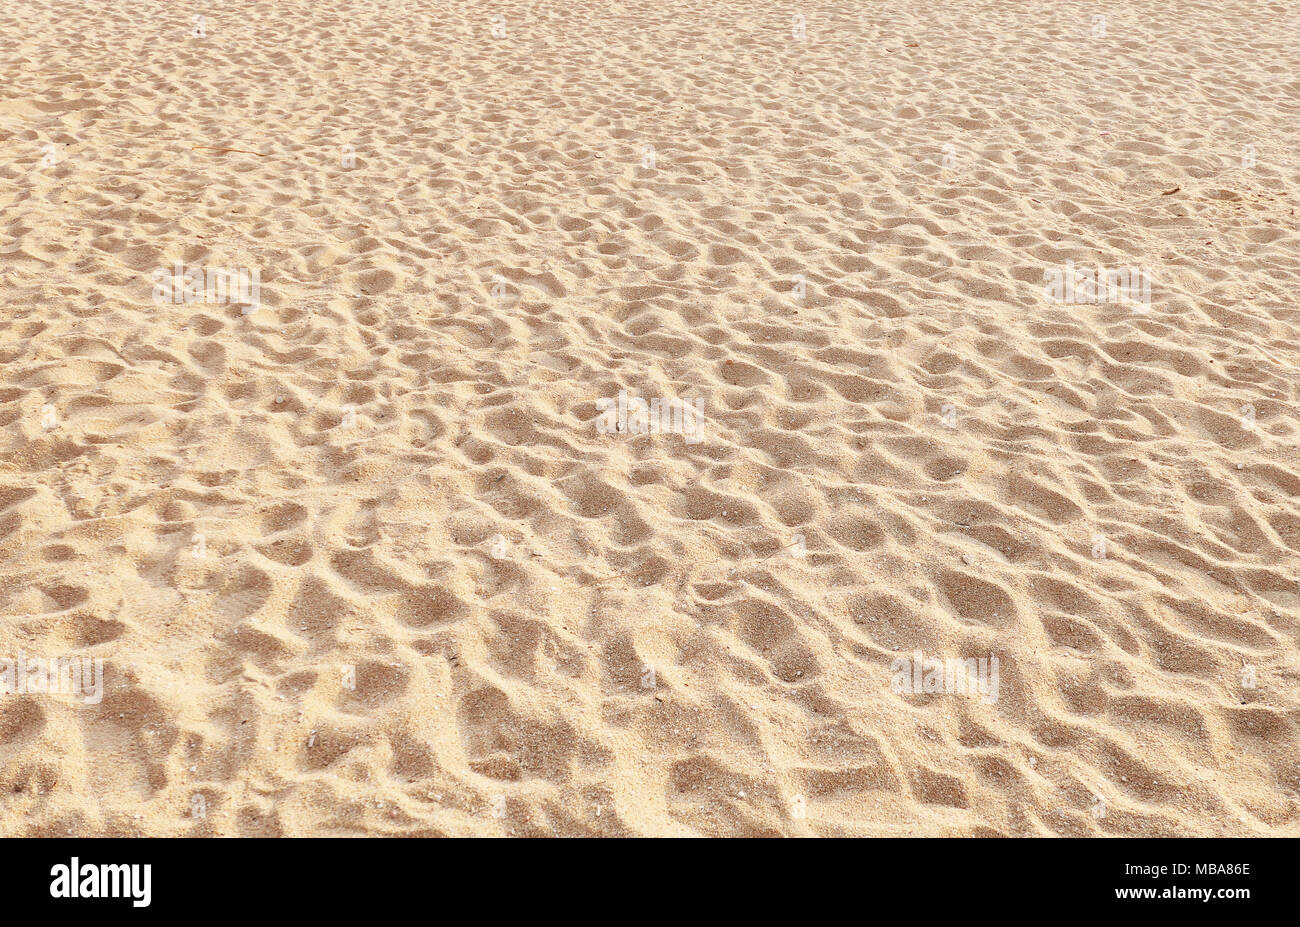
(367, 550)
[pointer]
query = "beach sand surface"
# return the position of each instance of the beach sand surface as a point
(360, 556)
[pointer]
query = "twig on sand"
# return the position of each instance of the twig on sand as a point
(778, 550)
(214, 148)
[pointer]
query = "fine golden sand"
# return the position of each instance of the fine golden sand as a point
(363, 557)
